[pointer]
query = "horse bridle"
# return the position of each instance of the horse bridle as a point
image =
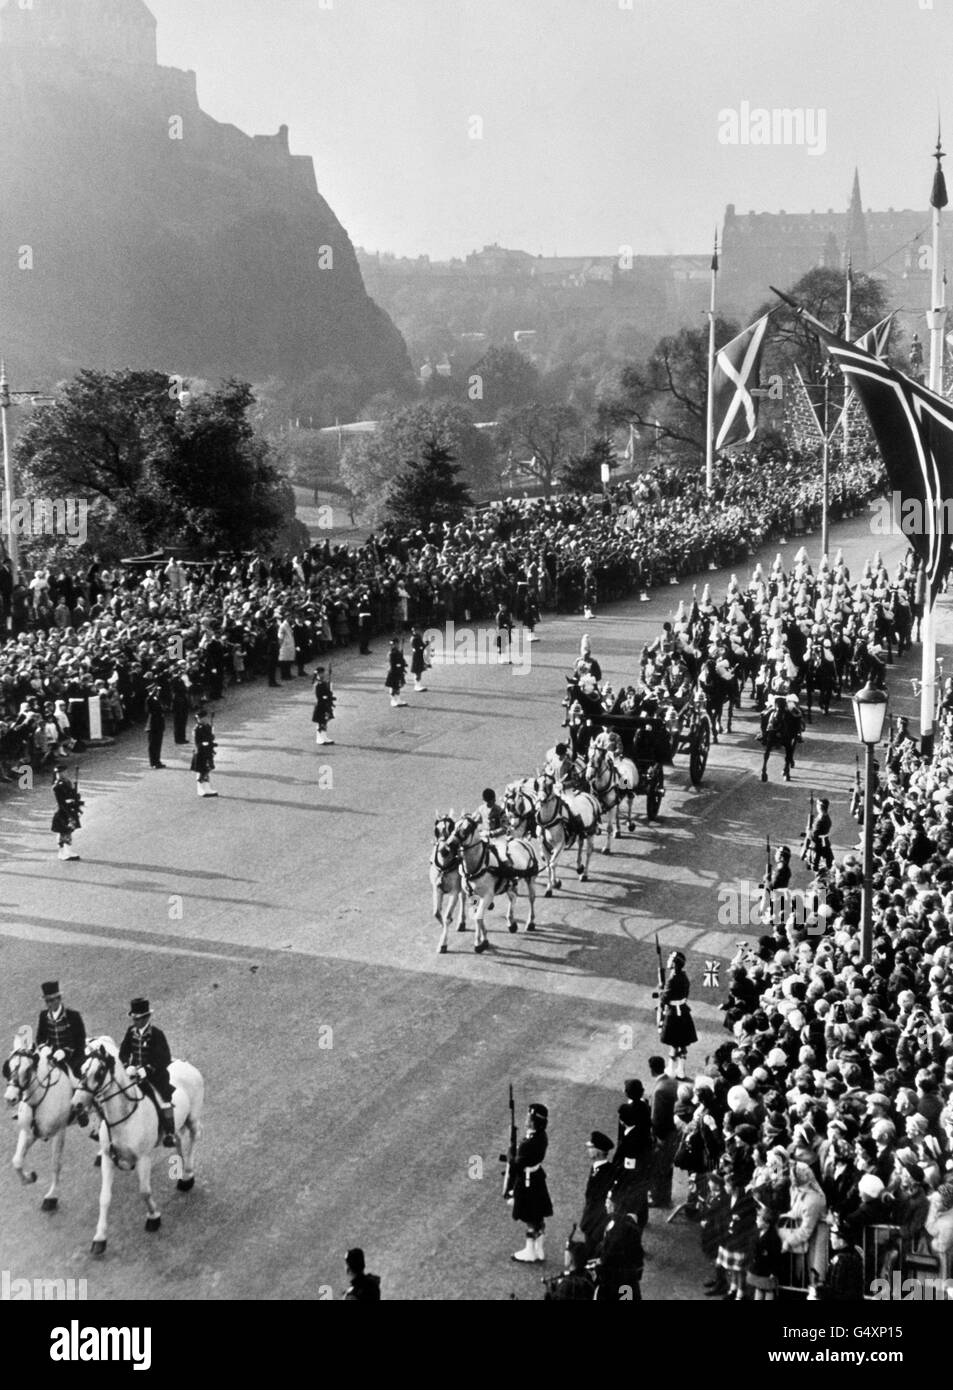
(34, 1057)
(109, 1068)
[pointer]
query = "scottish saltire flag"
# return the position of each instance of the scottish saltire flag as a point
(876, 339)
(735, 414)
(914, 429)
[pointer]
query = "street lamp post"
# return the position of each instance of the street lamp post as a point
(827, 373)
(870, 708)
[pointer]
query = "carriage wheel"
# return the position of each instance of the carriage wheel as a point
(701, 744)
(654, 791)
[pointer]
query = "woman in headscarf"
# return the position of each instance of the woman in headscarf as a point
(801, 1227)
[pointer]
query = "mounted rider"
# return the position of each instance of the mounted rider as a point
(61, 1030)
(145, 1053)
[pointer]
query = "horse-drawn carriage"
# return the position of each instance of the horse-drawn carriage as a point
(651, 735)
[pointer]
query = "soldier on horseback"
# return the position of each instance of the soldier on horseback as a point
(146, 1049)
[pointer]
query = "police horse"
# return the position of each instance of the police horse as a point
(130, 1135)
(42, 1093)
(564, 821)
(446, 880)
(491, 867)
(781, 727)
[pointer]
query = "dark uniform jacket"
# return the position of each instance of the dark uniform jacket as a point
(364, 1288)
(149, 1050)
(203, 759)
(664, 1097)
(595, 1218)
(323, 703)
(66, 1033)
(621, 1260)
(68, 807)
(531, 1202)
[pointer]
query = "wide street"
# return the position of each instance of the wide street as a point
(357, 1081)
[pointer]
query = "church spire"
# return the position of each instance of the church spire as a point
(856, 239)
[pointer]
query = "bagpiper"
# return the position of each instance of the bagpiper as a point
(323, 711)
(676, 1025)
(66, 820)
(203, 759)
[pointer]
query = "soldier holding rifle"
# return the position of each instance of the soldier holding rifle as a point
(524, 1185)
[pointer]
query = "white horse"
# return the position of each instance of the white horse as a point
(491, 867)
(130, 1134)
(42, 1092)
(612, 779)
(446, 880)
(565, 820)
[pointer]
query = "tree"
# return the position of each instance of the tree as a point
(671, 388)
(428, 490)
(504, 379)
(821, 292)
(583, 472)
(152, 473)
(371, 463)
(545, 433)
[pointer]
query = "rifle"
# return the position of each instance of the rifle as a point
(661, 982)
(767, 908)
(856, 799)
(509, 1158)
(806, 847)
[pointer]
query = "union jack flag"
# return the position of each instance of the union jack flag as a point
(710, 978)
(735, 374)
(914, 429)
(875, 340)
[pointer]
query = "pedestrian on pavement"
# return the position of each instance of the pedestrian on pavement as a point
(180, 704)
(203, 759)
(364, 617)
(664, 1132)
(286, 646)
(396, 674)
(155, 725)
(323, 711)
(362, 1287)
(504, 634)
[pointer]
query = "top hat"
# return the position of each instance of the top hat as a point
(139, 1007)
(51, 989)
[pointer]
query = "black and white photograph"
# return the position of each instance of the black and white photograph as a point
(476, 668)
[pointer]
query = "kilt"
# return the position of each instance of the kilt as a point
(203, 760)
(531, 1202)
(64, 823)
(731, 1260)
(394, 681)
(678, 1027)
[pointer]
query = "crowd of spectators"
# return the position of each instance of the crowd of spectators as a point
(819, 1140)
(97, 630)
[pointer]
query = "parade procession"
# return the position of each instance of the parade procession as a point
(476, 727)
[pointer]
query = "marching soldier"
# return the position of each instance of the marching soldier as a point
(203, 759)
(323, 706)
(530, 1195)
(146, 1049)
(61, 1030)
(676, 1026)
(66, 820)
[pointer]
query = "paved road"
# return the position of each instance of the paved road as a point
(356, 1080)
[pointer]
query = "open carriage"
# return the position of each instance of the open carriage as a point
(653, 735)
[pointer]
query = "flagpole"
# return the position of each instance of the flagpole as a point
(935, 320)
(847, 327)
(710, 415)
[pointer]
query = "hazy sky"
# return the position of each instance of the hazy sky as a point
(600, 117)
